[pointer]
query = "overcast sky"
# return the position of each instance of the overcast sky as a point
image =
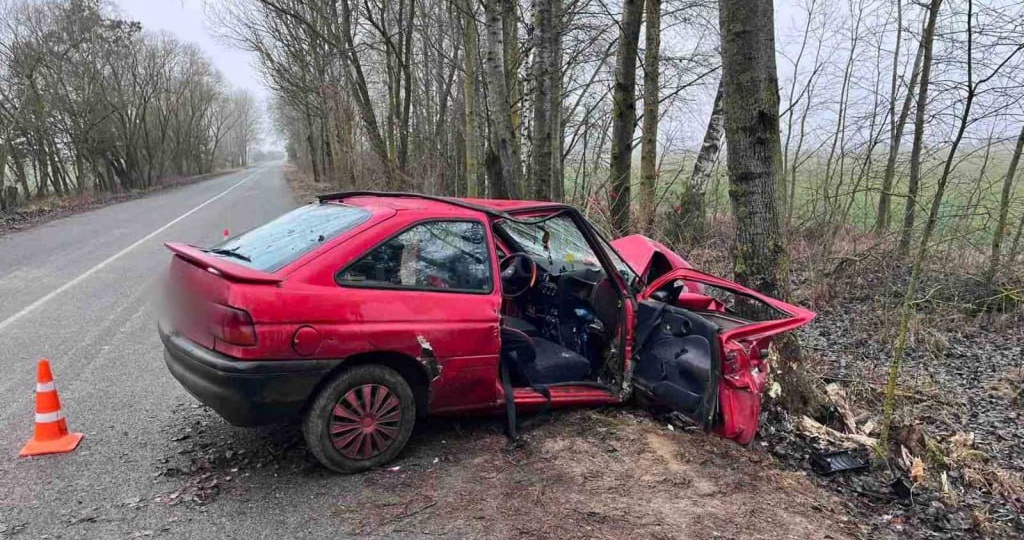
(184, 19)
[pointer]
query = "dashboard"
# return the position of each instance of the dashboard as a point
(559, 303)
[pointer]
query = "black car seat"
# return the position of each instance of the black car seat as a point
(535, 361)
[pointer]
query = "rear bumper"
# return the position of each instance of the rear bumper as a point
(244, 392)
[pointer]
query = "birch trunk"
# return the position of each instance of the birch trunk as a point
(502, 132)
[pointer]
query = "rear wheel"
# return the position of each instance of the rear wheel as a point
(361, 419)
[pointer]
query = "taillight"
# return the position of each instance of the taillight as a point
(231, 325)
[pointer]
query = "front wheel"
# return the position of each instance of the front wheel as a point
(361, 419)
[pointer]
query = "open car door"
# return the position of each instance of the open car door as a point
(704, 352)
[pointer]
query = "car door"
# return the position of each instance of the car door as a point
(429, 291)
(704, 354)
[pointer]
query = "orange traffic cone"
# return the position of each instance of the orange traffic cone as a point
(51, 436)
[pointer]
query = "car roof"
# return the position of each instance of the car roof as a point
(439, 206)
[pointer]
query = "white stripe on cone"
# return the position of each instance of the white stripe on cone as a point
(43, 418)
(45, 387)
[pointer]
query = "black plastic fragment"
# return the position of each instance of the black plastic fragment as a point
(901, 488)
(827, 463)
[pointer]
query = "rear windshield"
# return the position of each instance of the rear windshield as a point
(274, 245)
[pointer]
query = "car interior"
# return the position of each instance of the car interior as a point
(561, 312)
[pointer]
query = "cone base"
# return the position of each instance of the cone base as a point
(62, 445)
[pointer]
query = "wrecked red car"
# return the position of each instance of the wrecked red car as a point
(365, 311)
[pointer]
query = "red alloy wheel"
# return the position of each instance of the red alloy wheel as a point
(365, 421)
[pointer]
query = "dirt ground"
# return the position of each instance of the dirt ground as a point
(580, 474)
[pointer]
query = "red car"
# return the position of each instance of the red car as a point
(365, 311)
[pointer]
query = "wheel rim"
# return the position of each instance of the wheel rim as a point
(364, 422)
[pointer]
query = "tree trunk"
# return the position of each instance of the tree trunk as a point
(649, 141)
(557, 129)
(907, 307)
(691, 214)
(471, 165)
(750, 104)
(624, 114)
(542, 70)
(884, 217)
(910, 209)
(1004, 210)
(751, 108)
(502, 132)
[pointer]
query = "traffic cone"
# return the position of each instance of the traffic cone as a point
(51, 434)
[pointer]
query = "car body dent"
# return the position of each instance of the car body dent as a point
(639, 252)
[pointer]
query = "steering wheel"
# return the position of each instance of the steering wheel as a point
(518, 273)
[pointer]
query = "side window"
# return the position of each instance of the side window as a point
(442, 255)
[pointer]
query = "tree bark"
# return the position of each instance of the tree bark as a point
(543, 78)
(910, 208)
(471, 165)
(691, 213)
(751, 108)
(557, 129)
(1004, 210)
(649, 140)
(502, 132)
(624, 114)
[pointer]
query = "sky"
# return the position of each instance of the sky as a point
(184, 19)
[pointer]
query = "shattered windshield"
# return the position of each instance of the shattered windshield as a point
(557, 239)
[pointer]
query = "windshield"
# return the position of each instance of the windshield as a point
(559, 240)
(556, 239)
(274, 245)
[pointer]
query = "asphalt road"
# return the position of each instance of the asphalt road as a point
(82, 292)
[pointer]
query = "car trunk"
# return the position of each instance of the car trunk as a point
(198, 282)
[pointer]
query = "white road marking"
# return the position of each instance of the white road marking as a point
(31, 307)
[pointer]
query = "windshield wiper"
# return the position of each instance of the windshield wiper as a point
(233, 252)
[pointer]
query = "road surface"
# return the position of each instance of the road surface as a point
(81, 291)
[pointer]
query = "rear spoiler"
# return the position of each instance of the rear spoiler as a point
(220, 266)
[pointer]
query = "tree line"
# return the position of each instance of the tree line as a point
(89, 102)
(881, 103)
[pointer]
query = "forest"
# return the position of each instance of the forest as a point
(881, 102)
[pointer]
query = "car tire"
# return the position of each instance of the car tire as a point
(354, 423)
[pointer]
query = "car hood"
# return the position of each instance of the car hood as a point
(638, 251)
